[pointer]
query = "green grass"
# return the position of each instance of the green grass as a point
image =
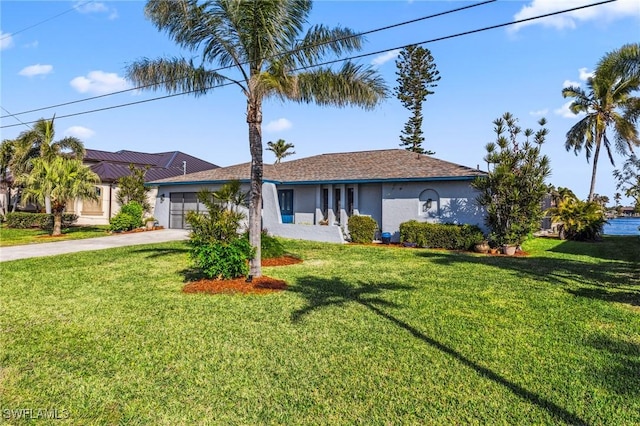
(13, 237)
(365, 335)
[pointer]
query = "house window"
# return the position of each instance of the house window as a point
(428, 203)
(91, 207)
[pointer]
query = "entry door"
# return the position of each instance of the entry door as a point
(285, 198)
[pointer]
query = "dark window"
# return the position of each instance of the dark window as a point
(336, 203)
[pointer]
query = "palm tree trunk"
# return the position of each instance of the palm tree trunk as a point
(254, 119)
(47, 204)
(57, 223)
(592, 189)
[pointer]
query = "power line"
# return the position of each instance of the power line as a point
(12, 115)
(348, 58)
(46, 20)
(375, 30)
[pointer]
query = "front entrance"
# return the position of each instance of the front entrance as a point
(285, 199)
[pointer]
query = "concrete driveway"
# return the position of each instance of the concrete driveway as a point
(100, 243)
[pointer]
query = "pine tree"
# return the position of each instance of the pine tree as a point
(417, 74)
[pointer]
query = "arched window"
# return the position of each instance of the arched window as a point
(429, 203)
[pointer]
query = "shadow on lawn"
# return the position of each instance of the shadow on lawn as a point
(622, 372)
(321, 293)
(160, 252)
(607, 280)
(626, 248)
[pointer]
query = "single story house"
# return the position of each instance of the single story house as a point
(312, 198)
(110, 166)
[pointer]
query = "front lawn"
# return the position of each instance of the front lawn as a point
(364, 335)
(13, 237)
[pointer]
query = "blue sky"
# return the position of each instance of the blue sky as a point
(80, 53)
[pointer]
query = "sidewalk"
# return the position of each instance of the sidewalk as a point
(99, 243)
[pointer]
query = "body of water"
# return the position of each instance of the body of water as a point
(622, 226)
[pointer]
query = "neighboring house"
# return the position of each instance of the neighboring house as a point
(312, 198)
(110, 166)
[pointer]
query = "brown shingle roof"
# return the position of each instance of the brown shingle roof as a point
(383, 165)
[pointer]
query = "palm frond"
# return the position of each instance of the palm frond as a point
(350, 85)
(174, 75)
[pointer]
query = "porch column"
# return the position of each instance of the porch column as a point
(331, 217)
(318, 214)
(344, 217)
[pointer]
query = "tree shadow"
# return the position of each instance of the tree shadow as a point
(611, 275)
(160, 251)
(320, 293)
(610, 248)
(622, 373)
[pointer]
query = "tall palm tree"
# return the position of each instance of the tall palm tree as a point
(61, 179)
(608, 104)
(39, 142)
(280, 149)
(263, 51)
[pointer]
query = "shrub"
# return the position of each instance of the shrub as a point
(129, 217)
(221, 260)
(135, 210)
(271, 247)
(217, 250)
(438, 235)
(580, 220)
(24, 220)
(514, 188)
(362, 229)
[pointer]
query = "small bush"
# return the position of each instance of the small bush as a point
(24, 220)
(580, 220)
(438, 235)
(135, 210)
(270, 247)
(122, 222)
(362, 229)
(222, 260)
(129, 217)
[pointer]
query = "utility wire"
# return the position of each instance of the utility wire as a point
(344, 59)
(46, 20)
(375, 30)
(12, 115)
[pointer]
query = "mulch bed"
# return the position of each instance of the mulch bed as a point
(260, 285)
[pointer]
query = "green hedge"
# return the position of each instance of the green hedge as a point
(439, 235)
(362, 229)
(24, 220)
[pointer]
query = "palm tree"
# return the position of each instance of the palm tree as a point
(607, 104)
(280, 149)
(263, 51)
(61, 179)
(38, 142)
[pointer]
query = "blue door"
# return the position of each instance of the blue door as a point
(285, 198)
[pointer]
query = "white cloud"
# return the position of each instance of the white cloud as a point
(33, 44)
(604, 13)
(278, 125)
(565, 112)
(79, 132)
(385, 57)
(99, 83)
(96, 7)
(540, 112)
(37, 69)
(6, 40)
(569, 83)
(584, 75)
